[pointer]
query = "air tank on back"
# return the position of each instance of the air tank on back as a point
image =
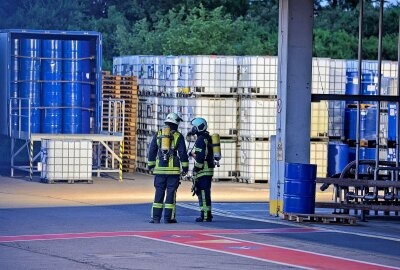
(72, 87)
(29, 75)
(52, 53)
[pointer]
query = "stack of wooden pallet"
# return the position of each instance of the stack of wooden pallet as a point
(123, 87)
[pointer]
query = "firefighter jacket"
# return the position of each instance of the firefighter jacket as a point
(203, 155)
(170, 162)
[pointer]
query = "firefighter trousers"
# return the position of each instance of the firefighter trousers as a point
(164, 183)
(203, 192)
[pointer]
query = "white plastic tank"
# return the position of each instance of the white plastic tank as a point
(254, 160)
(185, 74)
(66, 160)
(148, 74)
(215, 74)
(257, 118)
(220, 113)
(320, 75)
(319, 119)
(258, 75)
(319, 156)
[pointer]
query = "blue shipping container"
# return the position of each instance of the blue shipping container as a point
(32, 70)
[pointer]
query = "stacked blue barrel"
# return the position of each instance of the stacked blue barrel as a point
(52, 86)
(29, 87)
(55, 75)
(14, 84)
(340, 153)
(86, 86)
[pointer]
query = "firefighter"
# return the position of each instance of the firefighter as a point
(167, 154)
(203, 167)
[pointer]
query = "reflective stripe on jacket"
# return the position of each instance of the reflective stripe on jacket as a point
(168, 164)
(204, 160)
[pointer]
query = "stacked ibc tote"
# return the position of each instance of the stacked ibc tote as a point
(237, 96)
(192, 86)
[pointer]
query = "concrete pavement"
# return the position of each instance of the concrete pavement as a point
(104, 226)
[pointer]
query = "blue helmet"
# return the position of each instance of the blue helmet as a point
(199, 125)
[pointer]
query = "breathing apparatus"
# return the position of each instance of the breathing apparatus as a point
(200, 125)
(165, 139)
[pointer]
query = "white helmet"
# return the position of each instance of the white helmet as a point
(173, 118)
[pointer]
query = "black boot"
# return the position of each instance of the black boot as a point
(170, 221)
(154, 221)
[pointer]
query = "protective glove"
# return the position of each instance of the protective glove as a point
(151, 168)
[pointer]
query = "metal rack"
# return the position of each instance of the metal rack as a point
(101, 140)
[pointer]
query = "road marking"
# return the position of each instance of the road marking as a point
(269, 253)
(166, 233)
(210, 240)
(222, 213)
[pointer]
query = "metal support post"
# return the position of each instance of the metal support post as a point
(31, 160)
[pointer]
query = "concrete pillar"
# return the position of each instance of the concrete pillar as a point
(294, 92)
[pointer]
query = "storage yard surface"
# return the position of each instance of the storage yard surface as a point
(104, 226)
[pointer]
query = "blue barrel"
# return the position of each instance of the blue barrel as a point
(369, 83)
(73, 52)
(52, 54)
(72, 99)
(299, 192)
(370, 123)
(86, 93)
(29, 75)
(51, 70)
(14, 83)
(350, 123)
(392, 111)
(364, 154)
(86, 86)
(351, 83)
(338, 157)
(30, 50)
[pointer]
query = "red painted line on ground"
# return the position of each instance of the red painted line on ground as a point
(274, 254)
(40, 237)
(207, 239)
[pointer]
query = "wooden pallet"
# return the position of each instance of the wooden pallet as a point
(324, 218)
(126, 88)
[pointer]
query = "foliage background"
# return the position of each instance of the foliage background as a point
(225, 27)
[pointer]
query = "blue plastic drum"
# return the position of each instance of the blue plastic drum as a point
(338, 157)
(350, 123)
(14, 83)
(51, 121)
(299, 191)
(392, 112)
(29, 87)
(72, 99)
(370, 123)
(86, 86)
